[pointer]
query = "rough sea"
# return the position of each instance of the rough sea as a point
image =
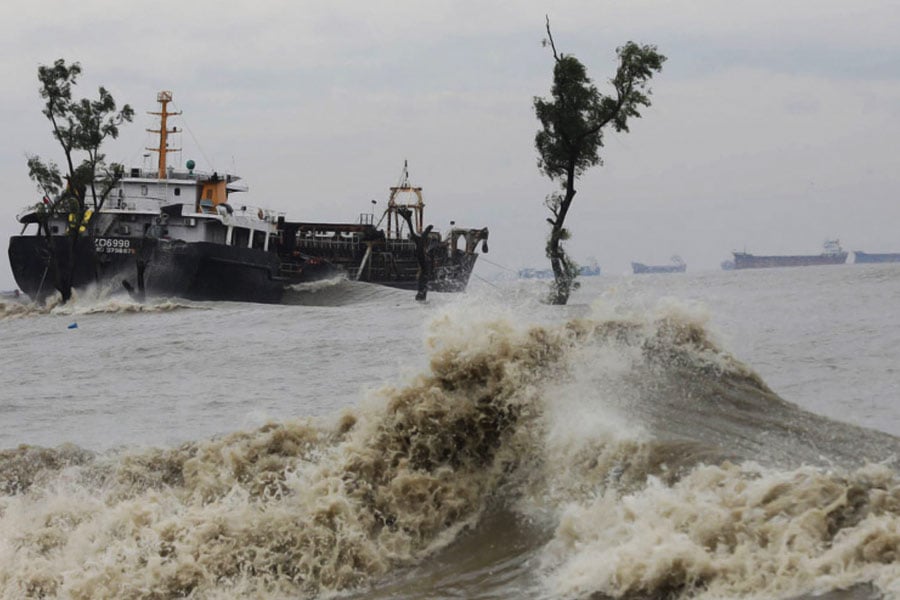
(701, 435)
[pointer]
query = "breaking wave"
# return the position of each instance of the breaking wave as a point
(14, 308)
(81, 304)
(124, 305)
(338, 291)
(613, 457)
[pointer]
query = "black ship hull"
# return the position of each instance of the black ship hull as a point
(216, 272)
(195, 271)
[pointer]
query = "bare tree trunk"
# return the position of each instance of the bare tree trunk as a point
(563, 278)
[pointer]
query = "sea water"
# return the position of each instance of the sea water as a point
(699, 435)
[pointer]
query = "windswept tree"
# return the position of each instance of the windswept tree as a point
(74, 194)
(571, 135)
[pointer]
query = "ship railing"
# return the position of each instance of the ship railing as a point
(330, 243)
(397, 244)
(243, 210)
(121, 204)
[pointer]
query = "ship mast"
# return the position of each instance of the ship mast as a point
(163, 98)
(394, 206)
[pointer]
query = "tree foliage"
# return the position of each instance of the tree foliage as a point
(571, 135)
(80, 126)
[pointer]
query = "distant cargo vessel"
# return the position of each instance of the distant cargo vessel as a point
(832, 255)
(677, 266)
(588, 270)
(866, 257)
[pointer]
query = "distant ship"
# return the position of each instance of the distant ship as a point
(589, 270)
(832, 255)
(530, 273)
(865, 257)
(677, 266)
(584, 271)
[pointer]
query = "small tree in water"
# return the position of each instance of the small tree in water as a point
(80, 127)
(571, 135)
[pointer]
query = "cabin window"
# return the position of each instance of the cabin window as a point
(55, 229)
(240, 237)
(143, 190)
(177, 191)
(259, 240)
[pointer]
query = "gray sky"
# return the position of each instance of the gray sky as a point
(774, 125)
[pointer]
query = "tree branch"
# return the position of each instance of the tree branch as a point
(550, 36)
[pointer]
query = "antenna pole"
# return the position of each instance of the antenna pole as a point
(163, 98)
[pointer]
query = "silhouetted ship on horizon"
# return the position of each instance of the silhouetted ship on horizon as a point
(833, 254)
(677, 266)
(884, 257)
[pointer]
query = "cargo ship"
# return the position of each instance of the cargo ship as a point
(866, 257)
(832, 254)
(677, 266)
(183, 233)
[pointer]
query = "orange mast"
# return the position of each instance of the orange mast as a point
(163, 98)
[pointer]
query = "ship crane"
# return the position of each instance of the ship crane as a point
(395, 207)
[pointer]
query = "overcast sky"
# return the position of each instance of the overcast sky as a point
(775, 123)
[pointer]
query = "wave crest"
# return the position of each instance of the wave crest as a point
(733, 531)
(633, 435)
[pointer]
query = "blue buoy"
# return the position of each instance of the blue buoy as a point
(73, 326)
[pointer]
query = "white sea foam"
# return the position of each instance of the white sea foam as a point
(732, 531)
(578, 418)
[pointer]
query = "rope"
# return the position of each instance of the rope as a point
(482, 258)
(41, 286)
(193, 137)
(486, 281)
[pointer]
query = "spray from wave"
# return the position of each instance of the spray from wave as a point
(732, 531)
(89, 301)
(284, 508)
(628, 441)
(338, 291)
